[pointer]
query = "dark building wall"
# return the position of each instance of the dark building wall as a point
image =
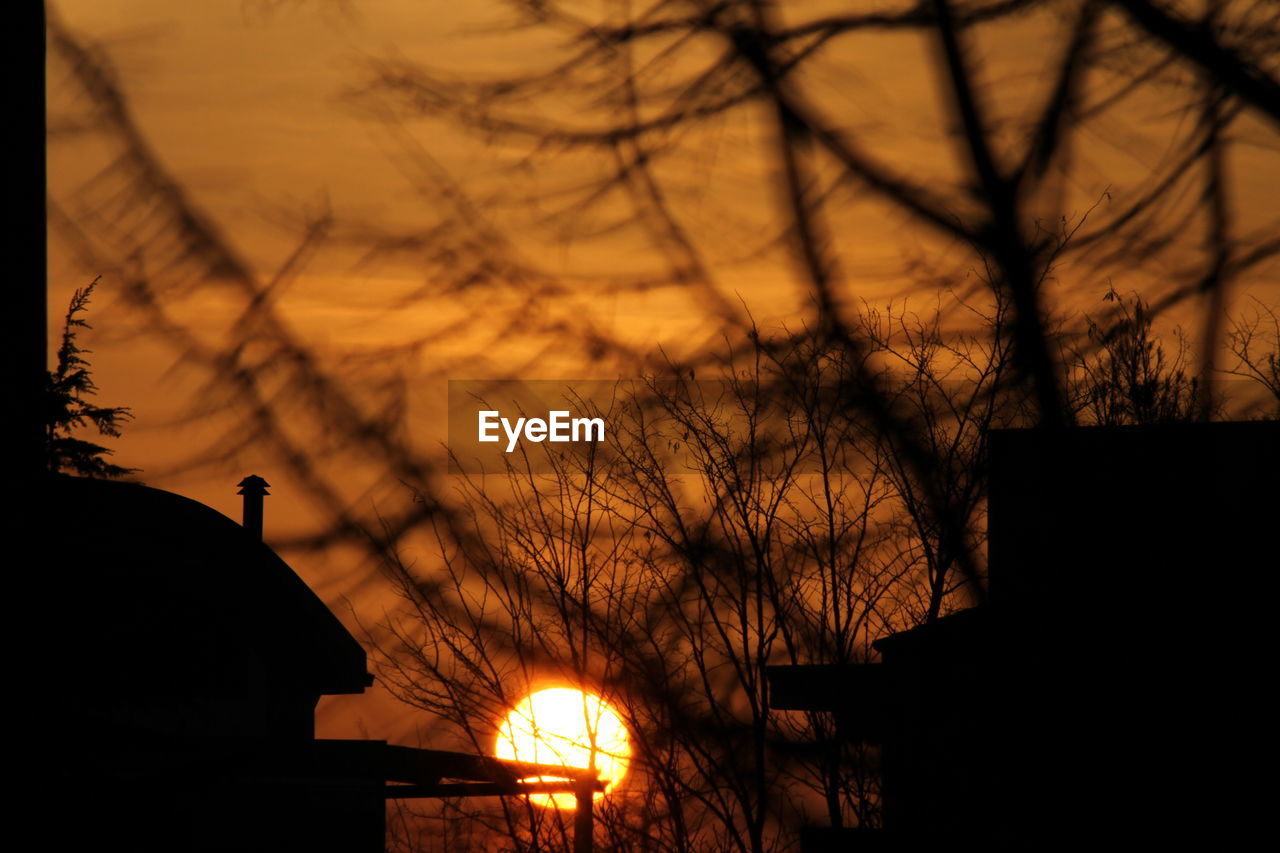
(1114, 520)
(1115, 686)
(1135, 569)
(939, 771)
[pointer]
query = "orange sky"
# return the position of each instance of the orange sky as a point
(243, 102)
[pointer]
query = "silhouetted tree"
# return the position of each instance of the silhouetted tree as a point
(67, 408)
(1129, 378)
(734, 523)
(1254, 340)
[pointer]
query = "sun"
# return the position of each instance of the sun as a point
(567, 727)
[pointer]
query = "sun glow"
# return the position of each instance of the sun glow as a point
(566, 727)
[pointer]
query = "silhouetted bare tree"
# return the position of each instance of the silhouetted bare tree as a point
(729, 526)
(1254, 340)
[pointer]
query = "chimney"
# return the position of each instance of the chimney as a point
(253, 488)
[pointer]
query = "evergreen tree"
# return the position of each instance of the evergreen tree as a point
(67, 409)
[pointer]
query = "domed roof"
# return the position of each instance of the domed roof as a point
(145, 592)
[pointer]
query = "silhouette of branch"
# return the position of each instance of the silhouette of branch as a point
(1235, 73)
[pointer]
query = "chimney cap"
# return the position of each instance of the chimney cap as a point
(253, 485)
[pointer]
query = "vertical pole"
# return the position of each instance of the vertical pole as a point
(583, 820)
(25, 243)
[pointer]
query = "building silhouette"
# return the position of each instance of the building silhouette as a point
(177, 662)
(1115, 687)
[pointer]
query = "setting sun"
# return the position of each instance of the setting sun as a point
(568, 727)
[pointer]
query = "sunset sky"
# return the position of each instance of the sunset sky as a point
(256, 110)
